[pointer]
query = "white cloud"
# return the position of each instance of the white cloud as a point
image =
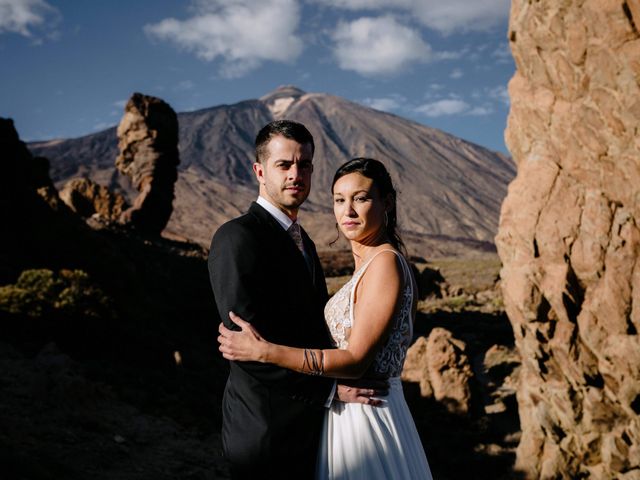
(499, 93)
(439, 108)
(449, 55)
(465, 15)
(480, 111)
(242, 33)
(379, 45)
(366, 4)
(101, 126)
(185, 85)
(456, 73)
(386, 104)
(120, 103)
(445, 16)
(502, 54)
(21, 16)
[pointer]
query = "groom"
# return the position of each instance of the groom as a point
(265, 268)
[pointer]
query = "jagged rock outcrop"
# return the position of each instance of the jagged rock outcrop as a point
(23, 174)
(30, 207)
(86, 198)
(569, 237)
(440, 365)
(148, 142)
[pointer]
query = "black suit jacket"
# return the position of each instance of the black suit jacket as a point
(272, 417)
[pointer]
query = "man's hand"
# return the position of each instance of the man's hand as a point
(362, 391)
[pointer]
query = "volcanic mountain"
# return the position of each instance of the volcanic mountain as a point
(450, 190)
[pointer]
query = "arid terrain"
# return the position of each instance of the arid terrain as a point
(89, 405)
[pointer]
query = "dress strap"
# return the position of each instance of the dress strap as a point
(358, 275)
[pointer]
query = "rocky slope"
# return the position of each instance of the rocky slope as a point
(569, 237)
(450, 190)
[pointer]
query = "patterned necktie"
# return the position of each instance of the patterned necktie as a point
(295, 231)
(296, 235)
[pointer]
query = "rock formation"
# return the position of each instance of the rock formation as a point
(23, 174)
(148, 142)
(31, 213)
(569, 237)
(85, 197)
(440, 365)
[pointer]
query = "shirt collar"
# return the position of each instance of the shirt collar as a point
(284, 221)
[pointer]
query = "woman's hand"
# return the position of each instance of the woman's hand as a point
(245, 345)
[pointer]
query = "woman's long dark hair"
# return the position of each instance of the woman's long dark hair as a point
(376, 171)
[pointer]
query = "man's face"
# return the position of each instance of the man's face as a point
(285, 175)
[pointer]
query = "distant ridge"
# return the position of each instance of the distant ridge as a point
(450, 189)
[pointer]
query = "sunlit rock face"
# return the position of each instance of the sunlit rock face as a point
(148, 143)
(87, 198)
(569, 237)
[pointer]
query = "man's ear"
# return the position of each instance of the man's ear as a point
(258, 169)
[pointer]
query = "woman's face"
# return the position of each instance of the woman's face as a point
(358, 208)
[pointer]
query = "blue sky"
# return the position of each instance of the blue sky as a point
(68, 67)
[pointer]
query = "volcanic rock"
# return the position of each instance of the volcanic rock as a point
(441, 366)
(29, 205)
(569, 237)
(415, 367)
(148, 142)
(86, 198)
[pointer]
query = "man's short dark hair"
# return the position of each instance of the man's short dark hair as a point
(288, 129)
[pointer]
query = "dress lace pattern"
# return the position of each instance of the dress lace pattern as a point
(339, 317)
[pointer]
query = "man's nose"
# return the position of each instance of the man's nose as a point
(294, 172)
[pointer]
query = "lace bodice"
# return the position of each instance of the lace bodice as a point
(338, 314)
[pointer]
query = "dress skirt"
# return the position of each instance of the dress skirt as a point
(363, 442)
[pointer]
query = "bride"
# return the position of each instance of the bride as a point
(371, 322)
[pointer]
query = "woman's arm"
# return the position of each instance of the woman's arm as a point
(376, 300)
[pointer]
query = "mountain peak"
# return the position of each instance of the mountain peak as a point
(283, 91)
(279, 100)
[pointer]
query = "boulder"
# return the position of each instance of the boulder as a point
(416, 367)
(441, 366)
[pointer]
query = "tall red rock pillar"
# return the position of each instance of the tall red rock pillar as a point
(148, 142)
(569, 237)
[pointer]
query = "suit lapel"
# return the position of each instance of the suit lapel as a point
(285, 241)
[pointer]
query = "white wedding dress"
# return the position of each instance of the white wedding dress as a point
(362, 441)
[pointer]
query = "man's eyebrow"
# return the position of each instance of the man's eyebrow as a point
(362, 190)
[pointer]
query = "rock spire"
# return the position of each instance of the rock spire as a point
(148, 143)
(569, 237)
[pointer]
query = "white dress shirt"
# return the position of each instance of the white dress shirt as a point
(275, 212)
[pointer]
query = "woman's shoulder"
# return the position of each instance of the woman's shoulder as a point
(385, 262)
